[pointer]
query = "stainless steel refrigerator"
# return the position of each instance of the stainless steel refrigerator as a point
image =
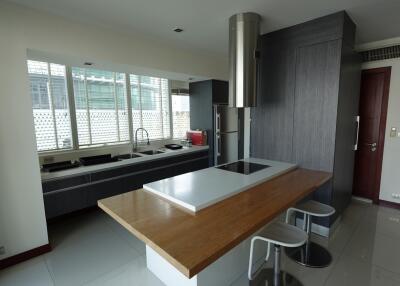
(226, 134)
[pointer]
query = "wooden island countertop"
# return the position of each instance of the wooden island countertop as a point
(191, 242)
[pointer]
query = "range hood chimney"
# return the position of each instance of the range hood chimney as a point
(244, 29)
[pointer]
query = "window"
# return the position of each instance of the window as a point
(101, 108)
(50, 106)
(150, 106)
(180, 115)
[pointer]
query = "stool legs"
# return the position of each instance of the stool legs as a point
(275, 276)
(310, 254)
(277, 265)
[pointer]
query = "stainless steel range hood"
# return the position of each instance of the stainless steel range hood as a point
(244, 29)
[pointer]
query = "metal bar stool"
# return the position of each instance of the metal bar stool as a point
(279, 234)
(310, 254)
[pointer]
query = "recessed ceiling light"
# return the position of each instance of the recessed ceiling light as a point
(178, 30)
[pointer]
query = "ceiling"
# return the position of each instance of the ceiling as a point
(205, 22)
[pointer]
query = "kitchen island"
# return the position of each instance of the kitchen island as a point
(210, 246)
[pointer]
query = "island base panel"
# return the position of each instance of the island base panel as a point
(224, 271)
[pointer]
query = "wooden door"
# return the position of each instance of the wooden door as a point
(373, 108)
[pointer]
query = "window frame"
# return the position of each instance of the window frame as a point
(51, 106)
(73, 120)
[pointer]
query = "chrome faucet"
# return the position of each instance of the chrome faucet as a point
(136, 140)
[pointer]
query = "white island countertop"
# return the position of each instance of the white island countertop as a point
(200, 189)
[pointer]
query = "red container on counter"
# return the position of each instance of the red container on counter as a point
(198, 137)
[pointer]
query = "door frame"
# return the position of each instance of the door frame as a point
(382, 127)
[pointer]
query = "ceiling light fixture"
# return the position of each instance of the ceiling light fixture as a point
(178, 30)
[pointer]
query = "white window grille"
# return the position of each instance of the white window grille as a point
(95, 111)
(100, 106)
(180, 115)
(50, 106)
(150, 106)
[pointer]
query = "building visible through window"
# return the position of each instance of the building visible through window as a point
(180, 115)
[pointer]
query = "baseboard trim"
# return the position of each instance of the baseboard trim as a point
(364, 200)
(15, 259)
(389, 204)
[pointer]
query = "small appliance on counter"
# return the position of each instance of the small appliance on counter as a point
(173, 146)
(197, 137)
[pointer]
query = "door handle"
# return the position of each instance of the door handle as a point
(355, 147)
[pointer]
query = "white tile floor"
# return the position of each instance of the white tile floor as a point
(92, 249)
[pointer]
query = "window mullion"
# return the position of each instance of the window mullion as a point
(87, 107)
(51, 103)
(161, 108)
(116, 106)
(71, 107)
(129, 105)
(140, 104)
(171, 120)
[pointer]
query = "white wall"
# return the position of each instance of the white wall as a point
(22, 220)
(391, 155)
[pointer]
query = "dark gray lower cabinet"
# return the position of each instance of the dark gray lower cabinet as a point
(66, 195)
(64, 201)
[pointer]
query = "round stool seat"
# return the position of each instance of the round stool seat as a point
(314, 208)
(283, 234)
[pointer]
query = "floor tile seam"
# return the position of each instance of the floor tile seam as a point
(110, 271)
(122, 238)
(51, 274)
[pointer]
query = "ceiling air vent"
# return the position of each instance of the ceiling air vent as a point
(381, 54)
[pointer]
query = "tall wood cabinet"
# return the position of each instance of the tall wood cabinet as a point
(308, 101)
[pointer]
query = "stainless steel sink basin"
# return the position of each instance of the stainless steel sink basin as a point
(127, 156)
(151, 152)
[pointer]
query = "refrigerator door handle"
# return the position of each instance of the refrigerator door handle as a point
(218, 122)
(218, 145)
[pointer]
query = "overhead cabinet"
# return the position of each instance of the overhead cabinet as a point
(308, 100)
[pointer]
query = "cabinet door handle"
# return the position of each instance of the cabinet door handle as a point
(355, 147)
(219, 145)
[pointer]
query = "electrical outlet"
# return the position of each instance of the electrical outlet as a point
(2, 250)
(396, 196)
(48, 159)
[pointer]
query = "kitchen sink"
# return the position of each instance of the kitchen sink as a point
(151, 152)
(98, 159)
(127, 156)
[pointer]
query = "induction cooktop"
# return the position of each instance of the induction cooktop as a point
(242, 167)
